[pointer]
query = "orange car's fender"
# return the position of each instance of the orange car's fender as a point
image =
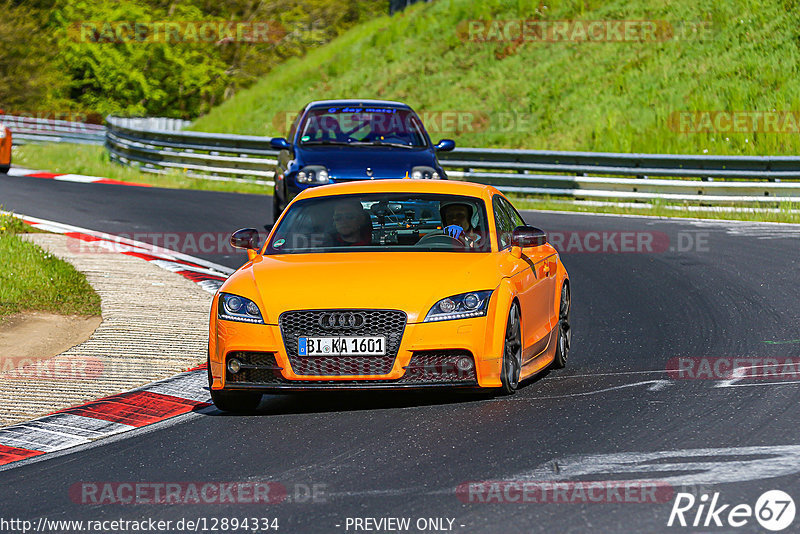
(491, 361)
(214, 363)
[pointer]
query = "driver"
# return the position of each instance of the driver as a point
(351, 223)
(457, 222)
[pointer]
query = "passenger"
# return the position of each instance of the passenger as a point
(352, 224)
(457, 222)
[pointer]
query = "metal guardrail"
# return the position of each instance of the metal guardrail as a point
(206, 155)
(36, 130)
(582, 175)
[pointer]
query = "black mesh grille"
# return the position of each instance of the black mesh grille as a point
(265, 369)
(438, 366)
(389, 323)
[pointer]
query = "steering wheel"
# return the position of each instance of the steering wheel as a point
(440, 239)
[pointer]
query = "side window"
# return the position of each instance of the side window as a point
(503, 223)
(512, 213)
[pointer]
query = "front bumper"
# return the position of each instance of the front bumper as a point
(427, 358)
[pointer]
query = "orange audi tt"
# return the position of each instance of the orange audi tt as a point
(389, 284)
(5, 149)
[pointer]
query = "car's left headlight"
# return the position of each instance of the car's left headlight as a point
(424, 173)
(313, 174)
(463, 306)
(2, 132)
(236, 308)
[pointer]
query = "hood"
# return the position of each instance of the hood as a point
(408, 281)
(385, 162)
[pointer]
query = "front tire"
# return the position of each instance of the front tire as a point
(512, 352)
(564, 339)
(233, 401)
(4, 169)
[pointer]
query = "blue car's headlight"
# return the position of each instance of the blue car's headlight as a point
(463, 306)
(236, 308)
(313, 174)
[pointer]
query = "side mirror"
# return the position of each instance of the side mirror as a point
(279, 143)
(445, 145)
(246, 238)
(528, 236)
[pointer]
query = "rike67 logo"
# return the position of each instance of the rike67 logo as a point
(774, 510)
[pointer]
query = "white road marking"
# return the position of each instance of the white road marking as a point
(757, 463)
(655, 385)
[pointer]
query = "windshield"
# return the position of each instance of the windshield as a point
(344, 125)
(393, 222)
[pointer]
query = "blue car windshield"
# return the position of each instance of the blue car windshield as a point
(345, 125)
(391, 222)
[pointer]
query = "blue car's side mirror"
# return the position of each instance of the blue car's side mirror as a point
(279, 143)
(445, 145)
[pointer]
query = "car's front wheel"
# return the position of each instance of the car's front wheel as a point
(512, 352)
(233, 401)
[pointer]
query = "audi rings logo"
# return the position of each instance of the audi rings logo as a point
(337, 320)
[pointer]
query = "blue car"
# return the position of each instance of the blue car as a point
(334, 141)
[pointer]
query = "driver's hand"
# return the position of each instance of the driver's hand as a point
(453, 230)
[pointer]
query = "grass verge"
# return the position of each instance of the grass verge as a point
(92, 160)
(34, 280)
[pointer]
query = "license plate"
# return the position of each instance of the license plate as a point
(341, 346)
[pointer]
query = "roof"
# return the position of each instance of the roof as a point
(444, 187)
(356, 102)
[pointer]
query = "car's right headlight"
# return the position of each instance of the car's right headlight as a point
(463, 306)
(313, 174)
(2, 131)
(236, 308)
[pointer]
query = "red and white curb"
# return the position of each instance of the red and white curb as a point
(102, 418)
(105, 417)
(206, 274)
(31, 173)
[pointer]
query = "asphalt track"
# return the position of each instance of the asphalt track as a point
(403, 455)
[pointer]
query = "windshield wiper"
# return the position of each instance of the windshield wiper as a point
(324, 142)
(379, 143)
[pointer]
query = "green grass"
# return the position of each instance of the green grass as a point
(92, 160)
(34, 280)
(597, 96)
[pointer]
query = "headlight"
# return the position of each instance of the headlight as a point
(313, 174)
(236, 308)
(424, 173)
(463, 306)
(2, 132)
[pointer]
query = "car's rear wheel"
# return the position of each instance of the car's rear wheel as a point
(233, 401)
(4, 169)
(564, 338)
(512, 352)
